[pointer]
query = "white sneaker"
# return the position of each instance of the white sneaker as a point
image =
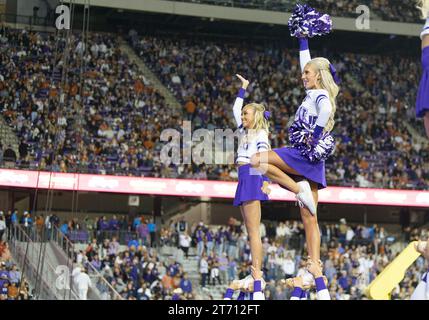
(305, 196)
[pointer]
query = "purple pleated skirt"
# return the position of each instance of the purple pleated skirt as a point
(422, 103)
(314, 171)
(249, 186)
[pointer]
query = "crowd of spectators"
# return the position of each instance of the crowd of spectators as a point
(374, 148)
(136, 272)
(112, 125)
(13, 286)
(107, 125)
(390, 10)
(352, 255)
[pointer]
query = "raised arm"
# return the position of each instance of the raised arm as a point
(304, 52)
(325, 109)
(238, 104)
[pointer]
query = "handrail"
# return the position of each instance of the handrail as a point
(26, 258)
(70, 245)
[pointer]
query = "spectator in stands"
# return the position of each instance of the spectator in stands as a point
(203, 269)
(83, 282)
(15, 275)
(152, 232)
(113, 250)
(2, 226)
(9, 155)
(185, 243)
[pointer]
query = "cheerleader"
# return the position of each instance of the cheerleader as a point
(301, 167)
(422, 103)
(252, 121)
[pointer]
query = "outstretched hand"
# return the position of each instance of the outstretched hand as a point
(244, 82)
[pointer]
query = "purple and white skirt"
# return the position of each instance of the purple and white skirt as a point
(313, 171)
(422, 103)
(249, 186)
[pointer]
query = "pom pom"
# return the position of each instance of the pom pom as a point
(300, 133)
(307, 22)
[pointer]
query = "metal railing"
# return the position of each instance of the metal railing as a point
(85, 236)
(101, 286)
(270, 5)
(44, 277)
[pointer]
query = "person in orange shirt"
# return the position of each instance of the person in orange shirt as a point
(190, 109)
(12, 291)
(167, 281)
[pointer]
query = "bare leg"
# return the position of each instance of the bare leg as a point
(425, 41)
(311, 226)
(272, 166)
(426, 121)
(251, 212)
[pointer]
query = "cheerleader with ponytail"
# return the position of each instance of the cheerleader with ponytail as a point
(252, 122)
(301, 167)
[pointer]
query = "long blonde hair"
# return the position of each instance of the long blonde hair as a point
(260, 123)
(327, 82)
(423, 6)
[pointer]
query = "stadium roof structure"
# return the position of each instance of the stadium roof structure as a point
(251, 15)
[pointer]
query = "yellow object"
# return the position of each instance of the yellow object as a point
(386, 281)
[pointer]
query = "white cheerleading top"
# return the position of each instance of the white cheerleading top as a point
(315, 109)
(246, 148)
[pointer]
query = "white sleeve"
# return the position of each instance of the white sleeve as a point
(420, 292)
(262, 143)
(325, 108)
(323, 295)
(304, 58)
(295, 298)
(258, 295)
(238, 104)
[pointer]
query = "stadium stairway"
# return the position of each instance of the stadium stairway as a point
(170, 100)
(191, 267)
(44, 262)
(415, 134)
(8, 136)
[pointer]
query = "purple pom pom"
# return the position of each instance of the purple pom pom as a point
(307, 22)
(301, 133)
